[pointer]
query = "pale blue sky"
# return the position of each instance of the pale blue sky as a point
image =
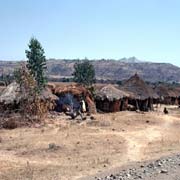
(147, 29)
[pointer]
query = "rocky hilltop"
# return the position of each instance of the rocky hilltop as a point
(109, 69)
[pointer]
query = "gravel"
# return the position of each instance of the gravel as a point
(167, 168)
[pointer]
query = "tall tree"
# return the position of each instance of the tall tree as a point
(36, 62)
(84, 73)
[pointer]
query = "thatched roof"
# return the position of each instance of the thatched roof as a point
(12, 94)
(177, 91)
(99, 86)
(47, 94)
(111, 93)
(138, 88)
(76, 90)
(165, 91)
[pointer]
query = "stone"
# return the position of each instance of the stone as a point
(164, 171)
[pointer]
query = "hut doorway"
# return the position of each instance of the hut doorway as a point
(67, 100)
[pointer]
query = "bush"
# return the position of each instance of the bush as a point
(30, 101)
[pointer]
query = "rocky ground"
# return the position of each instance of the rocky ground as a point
(167, 168)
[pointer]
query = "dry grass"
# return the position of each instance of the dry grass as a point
(69, 150)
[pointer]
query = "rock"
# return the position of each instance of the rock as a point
(108, 178)
(113, 176)
(164, 171)
(148, 171)
(159, 164)
(140, 177)
(53, 146)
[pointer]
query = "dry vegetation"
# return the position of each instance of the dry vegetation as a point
(68, 150)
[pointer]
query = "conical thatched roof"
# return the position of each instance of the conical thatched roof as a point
(165, 91)
(138, 88)
(111, 93)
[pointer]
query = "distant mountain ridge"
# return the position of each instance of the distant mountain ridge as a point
(131, 60)
(109, 69)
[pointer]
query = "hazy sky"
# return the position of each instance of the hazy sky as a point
(147, 29)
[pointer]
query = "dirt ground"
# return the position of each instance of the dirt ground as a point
(69, 150)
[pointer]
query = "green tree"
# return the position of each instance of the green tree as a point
(36, 63)
(84, 73)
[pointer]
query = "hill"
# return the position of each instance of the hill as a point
(109, 69)
(121, 69)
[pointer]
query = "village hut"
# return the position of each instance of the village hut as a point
(168, 94)
(111, 99)
(46, 96)
(71, 95)
(11, 97)
(141, 95)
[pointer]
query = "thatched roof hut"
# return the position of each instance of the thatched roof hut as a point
(111, 99)
(76, 92)
(141, 95)
(165, 91)
(138, 89)
(111, 93)
(168, 94)
(11, 96)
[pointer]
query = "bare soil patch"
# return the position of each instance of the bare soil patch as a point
(66, 150)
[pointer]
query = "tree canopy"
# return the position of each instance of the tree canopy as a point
(84, 73)
(36, 62)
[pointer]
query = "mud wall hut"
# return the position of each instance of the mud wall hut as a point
(141, 95)
(111, 99)
(169, 95)
(11, 97)
(71, 95)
